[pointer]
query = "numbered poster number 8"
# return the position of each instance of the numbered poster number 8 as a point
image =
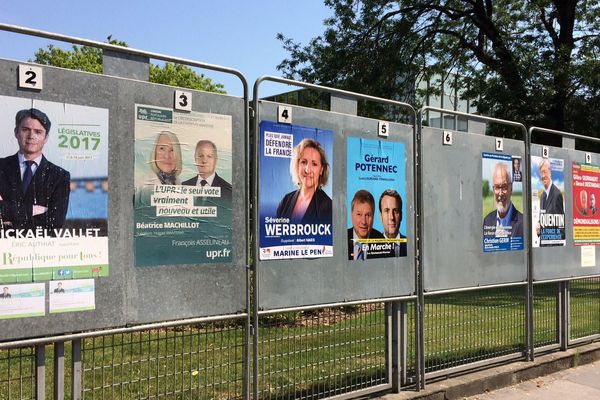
(30, 77)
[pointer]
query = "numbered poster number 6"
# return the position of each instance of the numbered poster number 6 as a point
(30, 77)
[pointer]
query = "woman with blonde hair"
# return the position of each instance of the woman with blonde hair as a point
(165, 159)
(309, 170)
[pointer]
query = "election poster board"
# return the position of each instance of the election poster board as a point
(502, 204)
(295, 180)
(547, 202)
(376, 199)
(586, 192)
(56, 226)
(183, 192)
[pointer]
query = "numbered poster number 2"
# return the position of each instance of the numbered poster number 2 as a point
(30, 77)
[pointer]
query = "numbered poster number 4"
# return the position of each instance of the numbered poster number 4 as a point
(30, 77)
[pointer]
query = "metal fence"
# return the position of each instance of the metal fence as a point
(310, 354)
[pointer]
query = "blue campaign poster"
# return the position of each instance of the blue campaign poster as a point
(502, 203)
(376, 199)
(295, 181)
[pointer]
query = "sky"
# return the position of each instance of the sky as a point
(232, 33)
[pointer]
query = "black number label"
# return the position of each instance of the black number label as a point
(184, 100)
(285, 114)
(31, 80)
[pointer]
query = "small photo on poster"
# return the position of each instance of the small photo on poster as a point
(586, 194)
(295, 181)
(24, 300)
(376, 194)
(547, 202)
(502, 204)
(72, 295)
(516, 169)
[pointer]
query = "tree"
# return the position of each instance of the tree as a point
(89, 59)
(533, 61)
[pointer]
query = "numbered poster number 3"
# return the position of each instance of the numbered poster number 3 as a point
(30, 77)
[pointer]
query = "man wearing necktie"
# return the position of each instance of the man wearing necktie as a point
(206, 158)
(551, 201)
(34, 193)
(362, 214)
(390, 212)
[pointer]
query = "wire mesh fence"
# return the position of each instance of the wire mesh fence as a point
(545, 314)
(321, 353)
(308, 354)
(461, 328)
(17, 373)
(189, 362)
(584, 307)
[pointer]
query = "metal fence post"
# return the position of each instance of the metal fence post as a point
(40, 372)
(399, 344)
(59, 370)
(76, 378)
(564, 315)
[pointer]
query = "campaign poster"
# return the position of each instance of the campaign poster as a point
(547, 202)
(502, 200)
(72, 295)
(20, 301)
(183, 191)
(295, 181)
(586, 218)
(53, 190)
(376, 199)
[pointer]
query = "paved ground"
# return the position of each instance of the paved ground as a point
(550, 376)
(580, 383)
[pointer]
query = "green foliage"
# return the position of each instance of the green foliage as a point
(183, 76)
(485, 188)
(534, 62)
(89, 59)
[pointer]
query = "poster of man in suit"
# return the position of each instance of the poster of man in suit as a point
(547, 202)
(53, 190)
(502, 204)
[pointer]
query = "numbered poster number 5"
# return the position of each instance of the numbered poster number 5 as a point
(30, 77)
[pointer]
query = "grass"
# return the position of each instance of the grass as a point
(305, 355)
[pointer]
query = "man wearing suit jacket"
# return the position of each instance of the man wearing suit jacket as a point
(34, 193)
(390, 212)
(206, 160)
(362, 214)
(505, 220)
(551, 201)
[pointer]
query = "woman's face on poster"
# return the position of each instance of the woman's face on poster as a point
(164, 155)
(310, 168)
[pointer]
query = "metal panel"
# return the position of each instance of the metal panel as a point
(563, 261)
(288, 283)
(130, 295)
(452, 215)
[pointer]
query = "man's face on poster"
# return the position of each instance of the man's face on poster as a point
(516, 164)
(362, 219)
(391, 216)
(546, 174)
(206, 160)
(31, 136)
(592, 200)
(502, 190)
(583, 199)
